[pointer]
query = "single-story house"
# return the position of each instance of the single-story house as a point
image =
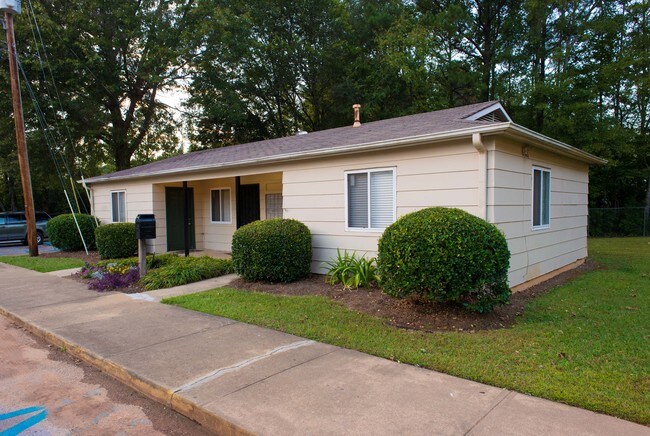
(347, 184)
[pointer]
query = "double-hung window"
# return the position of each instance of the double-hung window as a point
(541, 198)
(370, 199)
(118, 206)
(220, 205)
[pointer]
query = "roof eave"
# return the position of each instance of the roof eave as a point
(545, 142)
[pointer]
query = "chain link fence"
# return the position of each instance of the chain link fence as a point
(619, 221)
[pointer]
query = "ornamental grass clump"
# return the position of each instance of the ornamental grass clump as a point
(352, 271)
(445, 255)
(183, 270)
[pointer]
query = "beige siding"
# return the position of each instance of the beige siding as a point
(444, 174)
(539, 251)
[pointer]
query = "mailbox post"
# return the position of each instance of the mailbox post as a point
(145, 228)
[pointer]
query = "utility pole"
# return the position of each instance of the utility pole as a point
(10, 7)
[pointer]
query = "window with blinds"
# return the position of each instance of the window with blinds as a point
(273, 206)
(541, 198)
(371, 199)
(220, 205)
(118, 206)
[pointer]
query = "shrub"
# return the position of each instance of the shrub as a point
(445, 255)
(116, 240)
(183, 270)
(276, 250)
(64, 235)
(352, 271)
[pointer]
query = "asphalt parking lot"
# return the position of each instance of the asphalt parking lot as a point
(14, 249)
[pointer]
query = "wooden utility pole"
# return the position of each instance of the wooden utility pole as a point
(23, 160)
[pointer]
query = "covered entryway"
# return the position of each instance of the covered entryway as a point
(174, 213)
(248, 203)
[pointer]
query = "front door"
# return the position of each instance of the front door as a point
(174, 206)
(248, 204)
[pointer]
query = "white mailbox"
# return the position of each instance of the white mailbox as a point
(12, 6)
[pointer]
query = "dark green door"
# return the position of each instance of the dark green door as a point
(248, 209)
(174, 205)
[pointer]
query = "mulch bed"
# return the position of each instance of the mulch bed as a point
(414, 313)
(409, 313)
(91, 257)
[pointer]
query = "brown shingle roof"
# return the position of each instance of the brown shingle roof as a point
(321, 141)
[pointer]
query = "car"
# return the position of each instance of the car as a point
(13, 227)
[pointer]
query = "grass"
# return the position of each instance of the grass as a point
(585, 343)
(43, 264)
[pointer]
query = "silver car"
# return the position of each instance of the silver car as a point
(13, 227)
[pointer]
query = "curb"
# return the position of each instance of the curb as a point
(177, 403)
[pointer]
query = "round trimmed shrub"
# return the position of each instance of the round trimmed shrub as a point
(64, 235)
(116, 240)
(276, 250)
(445, 255)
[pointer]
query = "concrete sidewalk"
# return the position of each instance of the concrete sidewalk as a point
(238, 378)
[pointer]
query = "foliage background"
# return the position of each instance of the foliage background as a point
(576, 70)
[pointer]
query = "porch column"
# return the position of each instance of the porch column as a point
(237, 206)
(186, 219)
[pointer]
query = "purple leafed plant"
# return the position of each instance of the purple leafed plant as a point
(114, 280)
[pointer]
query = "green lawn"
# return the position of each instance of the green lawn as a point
(43, 264)
(585, 343)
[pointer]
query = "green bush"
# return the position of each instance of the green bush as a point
(445, 255)
(64, 235)
(183, 270)
(352, 271)
(116, 240)
(276, 250)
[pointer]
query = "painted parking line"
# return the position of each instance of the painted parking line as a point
(16, 429)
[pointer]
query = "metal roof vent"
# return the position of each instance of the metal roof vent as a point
(493, 117)
(357, 116)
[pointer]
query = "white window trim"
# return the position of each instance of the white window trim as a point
(231, 199)
(345, 190)
(532, 197)
(126, 212)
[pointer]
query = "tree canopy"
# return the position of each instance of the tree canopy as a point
(575, 70)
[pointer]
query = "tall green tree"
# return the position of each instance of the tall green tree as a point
(113, 61)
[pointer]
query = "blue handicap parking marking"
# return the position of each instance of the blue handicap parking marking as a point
(40, 413)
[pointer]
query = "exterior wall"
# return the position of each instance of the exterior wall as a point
(442, 174)
(539, 251)
(450, 174)
(139, 199)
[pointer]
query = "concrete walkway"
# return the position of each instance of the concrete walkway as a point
(237, 378)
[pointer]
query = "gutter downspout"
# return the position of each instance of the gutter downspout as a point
(477, 142)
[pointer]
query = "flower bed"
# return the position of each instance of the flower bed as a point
(164, 271)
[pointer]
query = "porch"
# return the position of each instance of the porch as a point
(200, 216)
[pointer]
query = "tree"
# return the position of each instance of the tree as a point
(113, 61)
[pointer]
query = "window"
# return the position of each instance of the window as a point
(370, 199)
(220, 205)
(273, 206)
(541, 198)
(118, 206)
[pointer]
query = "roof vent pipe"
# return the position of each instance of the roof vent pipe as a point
(357, 121)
